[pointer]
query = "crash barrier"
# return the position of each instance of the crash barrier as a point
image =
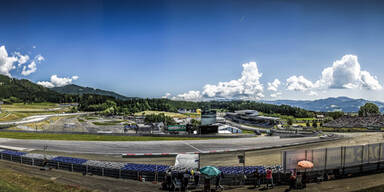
(237, 175)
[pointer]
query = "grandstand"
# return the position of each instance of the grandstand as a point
(252, 117)
(357, 122)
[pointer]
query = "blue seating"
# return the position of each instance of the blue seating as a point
(145, 167)
(69, 160)
(15, 153)
(227, 170)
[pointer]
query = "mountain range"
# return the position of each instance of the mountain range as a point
(345, 104)
(73, 89)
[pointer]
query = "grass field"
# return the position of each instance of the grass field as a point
(106, 123)
(15, 182)
(89, 137)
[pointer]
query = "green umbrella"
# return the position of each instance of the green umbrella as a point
(210, 171)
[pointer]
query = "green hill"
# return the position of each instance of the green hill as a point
(79, 90)
(26, 91)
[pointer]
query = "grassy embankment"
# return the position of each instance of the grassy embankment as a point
(14, 182)
(89, 137)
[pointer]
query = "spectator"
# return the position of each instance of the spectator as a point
(292, 181)
(207, 184)
(218, 179)
(196, 178)
(186, 176)
(269, 178)
(257, 176)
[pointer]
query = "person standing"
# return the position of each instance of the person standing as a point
(196, 178)
(257, 176)
(269, 177)
(292, 180)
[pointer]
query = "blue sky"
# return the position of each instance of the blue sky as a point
(149, 48)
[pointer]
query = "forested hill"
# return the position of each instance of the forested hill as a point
(22, 90)
(79, 90)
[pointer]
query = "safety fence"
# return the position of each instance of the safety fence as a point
(338, 161)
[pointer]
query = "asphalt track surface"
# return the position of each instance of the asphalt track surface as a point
(146, 147)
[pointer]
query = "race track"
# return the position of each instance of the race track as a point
(134, 147)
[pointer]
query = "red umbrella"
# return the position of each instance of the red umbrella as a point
(305, 164)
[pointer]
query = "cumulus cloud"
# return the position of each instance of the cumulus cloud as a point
(247, 87)
(6, 62)
(56, 81)
(31, 68)
(346, 73)
(274, 95)
(274, 85)
(312, 93)
(46, 84)
(75, 77)
(298, 83)
(189, 96)
(21, 59)
(166, 96)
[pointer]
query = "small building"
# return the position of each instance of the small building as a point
(208, 117)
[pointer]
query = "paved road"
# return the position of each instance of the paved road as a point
(123, 147)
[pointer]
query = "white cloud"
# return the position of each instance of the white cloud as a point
(368, 81)
(21, 58)
(346, 73)
(189, 96)
(6, 62)
(31, 68)
(39, 58)
(274, 95)
(166, 96)
(312, 93)
(58, 81)
(247, 86)
(299, 83)
(274, 85)
(46, 84)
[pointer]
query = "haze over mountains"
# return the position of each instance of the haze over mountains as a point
(345, 104)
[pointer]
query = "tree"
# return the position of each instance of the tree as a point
(336, 114)
(369, 109)
(290, 121)
(314, 123)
